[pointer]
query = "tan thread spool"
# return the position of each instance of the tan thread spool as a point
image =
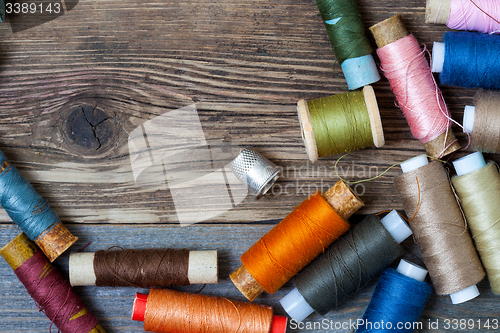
(439, 228)
(308, 131)
(485, 127)
(342, 199)
(389, 31)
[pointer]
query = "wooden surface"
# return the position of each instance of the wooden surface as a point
(73, 90)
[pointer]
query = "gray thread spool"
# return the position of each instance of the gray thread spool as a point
(255, 171)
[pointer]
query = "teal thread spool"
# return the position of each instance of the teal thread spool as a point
(31, 212)
(347, 36)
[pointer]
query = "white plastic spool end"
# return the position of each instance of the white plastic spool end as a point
(414, 163)
(396, 226)
(464, 295)
(469, 163)
(437, 61)
(296, 306)
(469, 114)
(411, 270)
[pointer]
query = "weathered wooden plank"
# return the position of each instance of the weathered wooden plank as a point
(244, 65)
(113, 305)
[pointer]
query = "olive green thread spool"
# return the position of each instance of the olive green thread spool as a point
(340, 123)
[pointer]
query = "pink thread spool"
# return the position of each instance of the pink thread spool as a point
(471, 15)
(408, 71)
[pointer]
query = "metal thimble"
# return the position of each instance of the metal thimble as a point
(255, 171)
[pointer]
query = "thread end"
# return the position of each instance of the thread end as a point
(139, 308)
(464, 295)
(343, 199)
(447, 139)
(389, 30)
(437, 11)
(296, 306)
(278, 324)
(411, 270)
(54, 242)
(246, 283)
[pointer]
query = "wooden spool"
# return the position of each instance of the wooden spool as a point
(308, 131)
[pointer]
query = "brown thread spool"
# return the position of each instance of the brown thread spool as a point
(21, 249)
(387, 32)
(439, 228)
(171, 311)
(343, 201)
(143, 268)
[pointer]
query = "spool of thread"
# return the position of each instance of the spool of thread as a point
(474, 15)
(143, 268)
(295, 241)
(349, 42)
(440, 229)
(31, 212)
(478, 187)
(51, 292)
(340, 123)
(482, 121)
(405, 66)
(398, 300)
(169, 311)
(346, 266)
(255, 171)
(468, 59)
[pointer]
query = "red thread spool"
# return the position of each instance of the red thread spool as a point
(48, 288)
(171, 311)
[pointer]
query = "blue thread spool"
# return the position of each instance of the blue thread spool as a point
(398, 300)
(468, 59)
(31, 212)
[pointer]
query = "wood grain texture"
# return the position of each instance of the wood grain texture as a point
(243, 65)
(113, 305)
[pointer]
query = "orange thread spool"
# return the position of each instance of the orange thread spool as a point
(171, 311)
(293, 243)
